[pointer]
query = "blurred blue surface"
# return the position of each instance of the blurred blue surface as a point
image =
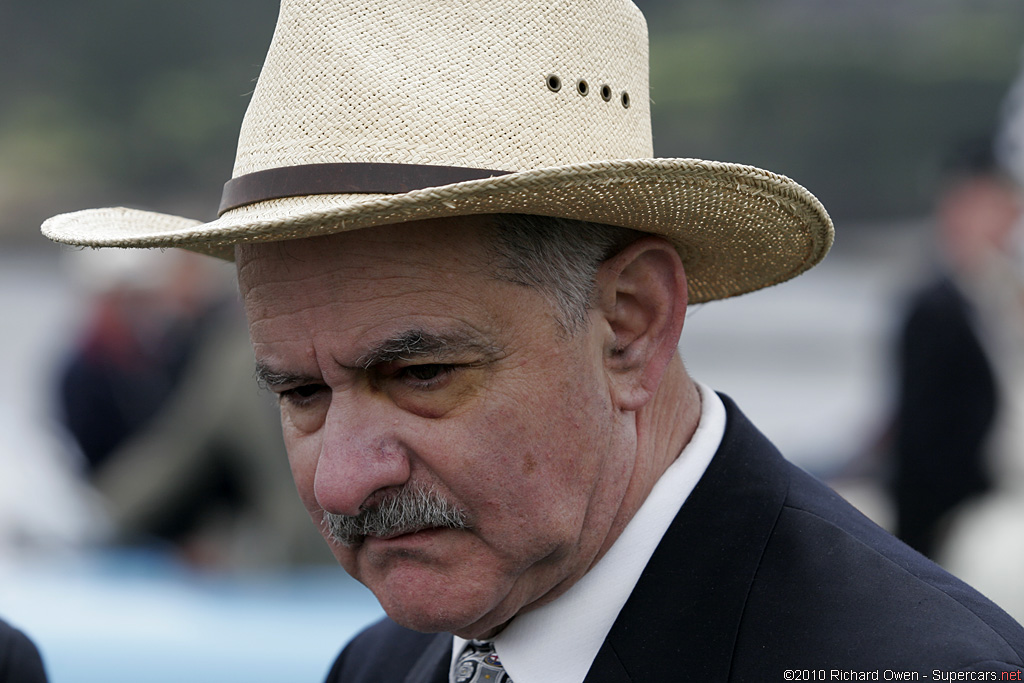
(126, 616)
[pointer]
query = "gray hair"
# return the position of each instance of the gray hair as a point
(557, 256)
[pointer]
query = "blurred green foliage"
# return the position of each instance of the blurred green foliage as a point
(139, 103)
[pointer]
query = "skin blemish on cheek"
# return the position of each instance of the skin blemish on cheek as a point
(529, 463)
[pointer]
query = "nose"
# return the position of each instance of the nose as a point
(360, 454)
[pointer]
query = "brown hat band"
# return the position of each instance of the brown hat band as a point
(342, 178)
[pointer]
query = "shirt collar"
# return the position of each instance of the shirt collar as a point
(558, 641)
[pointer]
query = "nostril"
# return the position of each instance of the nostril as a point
(380, 496)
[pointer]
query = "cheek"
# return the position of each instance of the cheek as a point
(303, 454)
(540, 452)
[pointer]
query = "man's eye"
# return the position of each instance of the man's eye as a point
(427, 373)
(303, 395)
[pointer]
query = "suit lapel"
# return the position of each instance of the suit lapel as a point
(433, 663)
(685, 612)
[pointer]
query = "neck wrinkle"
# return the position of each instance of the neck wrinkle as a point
(663, 429)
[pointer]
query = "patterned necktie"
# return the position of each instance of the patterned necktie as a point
(479, 663)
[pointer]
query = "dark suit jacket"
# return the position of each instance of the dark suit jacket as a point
(763, 570)
(19, 658)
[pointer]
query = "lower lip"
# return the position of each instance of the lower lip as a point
(414, 537)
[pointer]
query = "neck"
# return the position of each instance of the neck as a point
(663, 428)
(666, 424)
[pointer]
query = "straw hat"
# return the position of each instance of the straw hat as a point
(375, 112)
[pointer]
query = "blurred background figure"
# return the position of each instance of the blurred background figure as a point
(158, 393)
(985, 538)
(952, 407)
(147, 316)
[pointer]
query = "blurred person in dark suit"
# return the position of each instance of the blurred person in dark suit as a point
(984, 540)
(949, 397)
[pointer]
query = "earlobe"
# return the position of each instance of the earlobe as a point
(642, 297)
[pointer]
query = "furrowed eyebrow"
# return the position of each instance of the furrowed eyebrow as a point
(419, 343)
(408, 345)
(269, 378)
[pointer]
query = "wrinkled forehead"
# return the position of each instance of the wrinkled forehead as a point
(369, 276)
(450, 247)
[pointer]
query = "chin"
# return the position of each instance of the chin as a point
(427, 620)
(439, 605)
(424, 582)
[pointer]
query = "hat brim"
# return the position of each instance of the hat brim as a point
(737, 228)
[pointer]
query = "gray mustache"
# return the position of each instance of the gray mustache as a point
(411, 509)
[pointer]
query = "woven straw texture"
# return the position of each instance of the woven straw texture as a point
(554, 91)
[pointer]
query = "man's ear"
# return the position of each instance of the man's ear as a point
(642, 299)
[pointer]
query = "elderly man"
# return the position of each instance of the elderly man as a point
(466, 279)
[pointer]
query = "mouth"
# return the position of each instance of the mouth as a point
(420, 538)
(403, 533)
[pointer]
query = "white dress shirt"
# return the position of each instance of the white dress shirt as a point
(558, 641)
